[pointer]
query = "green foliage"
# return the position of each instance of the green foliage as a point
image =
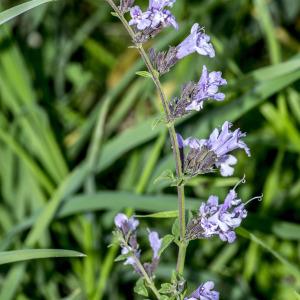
(82, 138)
(21, 255)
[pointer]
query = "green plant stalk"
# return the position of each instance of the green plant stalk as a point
(146, 277)
(172, 133)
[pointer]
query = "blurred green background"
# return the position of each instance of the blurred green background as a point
(78, 145)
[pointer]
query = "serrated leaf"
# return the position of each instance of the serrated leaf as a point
(167, 240)
(140, 288)
(145, 74)
(162, 214)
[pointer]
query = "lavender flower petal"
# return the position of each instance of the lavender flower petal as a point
(120, 219)
(204, 292)
(155, 243)
(197, 41)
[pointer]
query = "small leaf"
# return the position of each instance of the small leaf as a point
(162, 214)
(166, 288)
(114, 14)
(145, 74)
(167, 240)
(122, 257)
(157, 121)
(164, 297)
(167, 175)
(140, 288)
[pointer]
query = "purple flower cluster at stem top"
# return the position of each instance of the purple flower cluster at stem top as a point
(204, 292)
(213, 152)
(155, 17)
(197, 41)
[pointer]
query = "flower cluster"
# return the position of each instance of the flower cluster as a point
(218, 219)
(147, 24)
(196, 41)
(193, 95)
(206, 154)
(126, 228)
(128, 240)
(204, 292)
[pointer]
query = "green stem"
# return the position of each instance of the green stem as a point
(146, 277)
(172, 133)
(181, 257)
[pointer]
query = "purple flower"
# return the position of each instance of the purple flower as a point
(127, 238)
(155, 243)
(206, 88)
(130, 260)
(150, 22)
(140, 19)
(197, 41)
(195, 94)
(218, 219)
(204, 292)
(204, 154)
(126, 224)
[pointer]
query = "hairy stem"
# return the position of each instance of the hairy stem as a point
(146, 277)
(172, 133)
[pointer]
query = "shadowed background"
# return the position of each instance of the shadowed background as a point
(78, 143)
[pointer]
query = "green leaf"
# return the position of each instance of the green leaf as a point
(162, 214)
(114, 14)
(122, 257)
(166, 175)
(28, 254)
(140, 288)
(145, 74)
(166, 288)
(19, 9)
(167, 240)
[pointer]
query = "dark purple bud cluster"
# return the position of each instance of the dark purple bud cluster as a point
(162, 61)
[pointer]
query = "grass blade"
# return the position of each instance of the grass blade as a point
(28, 254)
(19, 9)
